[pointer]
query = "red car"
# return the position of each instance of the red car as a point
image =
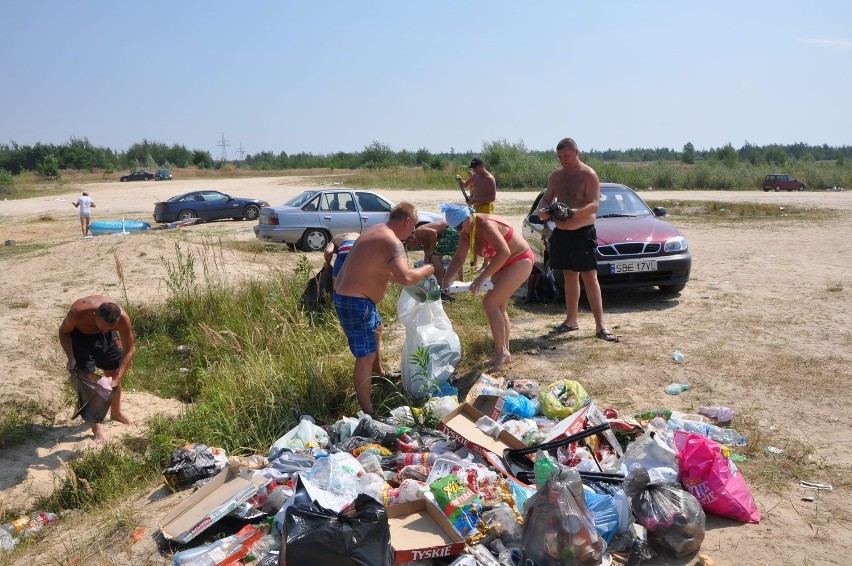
(782, 182)
(635, 247)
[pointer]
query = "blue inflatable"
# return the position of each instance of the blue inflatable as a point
(102, 227)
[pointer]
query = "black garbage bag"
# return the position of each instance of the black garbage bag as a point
(674, 517)
(93, 401)
(357, 536)
(319, 289)
(191, 463)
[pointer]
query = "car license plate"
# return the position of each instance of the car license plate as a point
(632, 266)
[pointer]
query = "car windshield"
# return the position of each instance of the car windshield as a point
(300, 198)
(619, 202)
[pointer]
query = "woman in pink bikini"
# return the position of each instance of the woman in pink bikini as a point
(509, 262)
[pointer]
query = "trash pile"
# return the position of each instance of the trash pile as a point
(515, 474)
(18, 529)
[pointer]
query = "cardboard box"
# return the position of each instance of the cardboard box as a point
(222, 494)
(489, 405)
(419, 531)
(460, 425)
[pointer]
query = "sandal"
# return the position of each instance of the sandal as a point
(607, 334)
(563, 327)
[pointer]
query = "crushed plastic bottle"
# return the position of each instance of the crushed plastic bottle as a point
(720, 414)
(677, 356)
(38, 521)
(676, 388)
(726, 436)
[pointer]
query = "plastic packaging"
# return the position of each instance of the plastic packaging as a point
(7, 542)
(520, 406)
(15, 526)
(462, 286)
(676, 388)
(650, 414)
(720, 414)
(726, 436)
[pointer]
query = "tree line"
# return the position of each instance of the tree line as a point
(515, 166)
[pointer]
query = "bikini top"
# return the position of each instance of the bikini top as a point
(488, 251)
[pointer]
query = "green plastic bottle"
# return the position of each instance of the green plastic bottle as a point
(648, 415)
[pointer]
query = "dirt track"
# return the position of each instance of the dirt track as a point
(763, 323)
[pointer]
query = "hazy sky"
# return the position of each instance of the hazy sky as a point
(334, 76)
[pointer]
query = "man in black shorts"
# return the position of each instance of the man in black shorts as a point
(96, 333)
(573, 242)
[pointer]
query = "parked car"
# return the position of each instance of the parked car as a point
(635, 247)
(207, 204)
(137, 175)
(782, 182)
(162, 175)
(311, 218)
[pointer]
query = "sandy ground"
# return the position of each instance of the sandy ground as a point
(763, 323)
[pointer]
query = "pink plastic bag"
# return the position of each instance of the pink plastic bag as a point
(713, 479)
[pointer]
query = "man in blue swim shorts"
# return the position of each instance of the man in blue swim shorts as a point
(377, 258)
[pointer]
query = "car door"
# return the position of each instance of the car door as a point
(216, 205)
(373, 209)
(337, 212)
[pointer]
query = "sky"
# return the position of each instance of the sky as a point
(327, 76)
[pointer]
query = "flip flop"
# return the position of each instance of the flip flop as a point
(391, 375)
(563, 327)
(607, 334)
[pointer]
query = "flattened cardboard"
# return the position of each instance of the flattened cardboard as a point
(460, 425)
(222, 494)
(419, 531)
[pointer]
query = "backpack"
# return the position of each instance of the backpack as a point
(319, 289)
(541, 286)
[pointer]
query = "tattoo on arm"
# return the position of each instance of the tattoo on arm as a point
(397, 251)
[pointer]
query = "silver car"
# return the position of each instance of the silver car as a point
(310, 219)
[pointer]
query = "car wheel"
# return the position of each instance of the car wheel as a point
(777, 188)
(251, 212)
(187, 215)
(314, 239)
(672, 289)
(801, 187)
(766, 190)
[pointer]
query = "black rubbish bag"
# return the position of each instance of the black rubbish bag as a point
(191, 463)
(674, 517)
(541, 286)
(357, 536)
(93, 401)
(319, 289)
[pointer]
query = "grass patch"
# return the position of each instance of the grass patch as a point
(24, 421)
(20, 249)
(741, 211)
(836, 286)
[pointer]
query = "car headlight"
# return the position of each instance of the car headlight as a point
(676, 244)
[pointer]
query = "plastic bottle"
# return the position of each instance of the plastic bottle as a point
(266, 544)
(488, 390)
(40, 520)
(720, 414)
(726, 436)
(678, 356)
(416, 459)
(648, 415)
(676, 388)
(15, 527)
(7, 542)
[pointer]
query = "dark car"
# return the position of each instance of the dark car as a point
(162, 175)
(138, 175)
(635, 248)
(779, 182)
(207, 205)
(311, 218)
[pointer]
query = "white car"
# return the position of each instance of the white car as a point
(310, 219)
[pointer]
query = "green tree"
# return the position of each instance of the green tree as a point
(49, 167)
(727, 155)
(776, 155)
(688, 155)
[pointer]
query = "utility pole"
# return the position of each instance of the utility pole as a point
(241, 151)
(223, 143)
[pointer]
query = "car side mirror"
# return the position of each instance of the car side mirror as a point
(535, 219)
(660, 211)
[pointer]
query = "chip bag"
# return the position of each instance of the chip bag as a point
(458, 502)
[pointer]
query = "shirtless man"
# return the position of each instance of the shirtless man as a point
(573, 242)
(96, 333)
(436, 239)
(376, 259)
(483, 193)
(340, 245)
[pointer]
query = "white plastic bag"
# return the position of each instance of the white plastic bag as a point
(426, 326)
